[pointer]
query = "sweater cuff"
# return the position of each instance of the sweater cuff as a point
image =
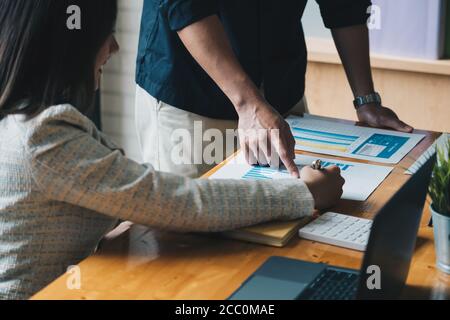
(300, 202)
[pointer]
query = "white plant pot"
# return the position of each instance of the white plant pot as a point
(441, 225)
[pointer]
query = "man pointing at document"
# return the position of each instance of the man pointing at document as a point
(241, 64)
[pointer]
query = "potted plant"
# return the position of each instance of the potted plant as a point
(440, 206)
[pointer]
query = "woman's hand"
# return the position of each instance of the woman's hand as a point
(325, 185)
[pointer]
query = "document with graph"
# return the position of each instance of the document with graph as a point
(314, 134)
(361, 180)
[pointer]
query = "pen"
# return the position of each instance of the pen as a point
(317, 165)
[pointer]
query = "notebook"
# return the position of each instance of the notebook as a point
(275, 234)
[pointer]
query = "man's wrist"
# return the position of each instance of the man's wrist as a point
(373, 98)
(242, 92)
(247, 101)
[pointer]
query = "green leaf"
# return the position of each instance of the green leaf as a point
(440, 183)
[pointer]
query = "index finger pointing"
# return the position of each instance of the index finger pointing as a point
(290, 166)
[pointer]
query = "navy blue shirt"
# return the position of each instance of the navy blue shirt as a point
(266, 36)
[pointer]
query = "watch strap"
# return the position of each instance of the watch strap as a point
(367, 99)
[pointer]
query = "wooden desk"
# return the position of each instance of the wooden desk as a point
(145, 264)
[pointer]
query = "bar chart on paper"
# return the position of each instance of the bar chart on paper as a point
(323, 140)
(314, 134)
(263, 173)
(361, 179)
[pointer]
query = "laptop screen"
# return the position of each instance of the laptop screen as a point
(393, 239)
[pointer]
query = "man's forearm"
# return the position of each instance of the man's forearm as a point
(353, 46)
(207, 42)
(263, 133)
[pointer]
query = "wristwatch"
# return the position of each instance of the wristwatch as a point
(370, 98)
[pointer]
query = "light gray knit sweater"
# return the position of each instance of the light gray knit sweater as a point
(63, 185)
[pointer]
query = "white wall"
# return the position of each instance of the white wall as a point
(118, 87)
(312, 22)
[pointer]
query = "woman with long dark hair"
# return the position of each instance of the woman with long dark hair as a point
(63, 184)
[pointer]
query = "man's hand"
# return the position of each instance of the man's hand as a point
(353, 46)
(381, 117)
(262, 131)
(262, 128)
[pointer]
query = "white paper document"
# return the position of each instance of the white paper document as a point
(314, 134)
(361, 180)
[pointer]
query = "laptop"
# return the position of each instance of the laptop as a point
(385, 266)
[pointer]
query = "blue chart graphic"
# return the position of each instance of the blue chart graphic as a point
(323, 140)
(343, 167)
(381, 146)
(261, 173)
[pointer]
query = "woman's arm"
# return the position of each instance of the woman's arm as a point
(70, 165)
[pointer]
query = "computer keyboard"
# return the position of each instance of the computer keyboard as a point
(332, 285)
(339, 230)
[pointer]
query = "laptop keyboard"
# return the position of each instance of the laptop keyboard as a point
(332, 285)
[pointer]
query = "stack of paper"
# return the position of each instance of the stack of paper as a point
(317, 135)
(314, 134)
(361, 179)
(276, 234)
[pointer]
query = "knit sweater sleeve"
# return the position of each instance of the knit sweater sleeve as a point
(70, 165)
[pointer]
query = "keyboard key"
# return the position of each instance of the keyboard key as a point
(332, 285)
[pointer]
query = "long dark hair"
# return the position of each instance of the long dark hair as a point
(42, 60)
